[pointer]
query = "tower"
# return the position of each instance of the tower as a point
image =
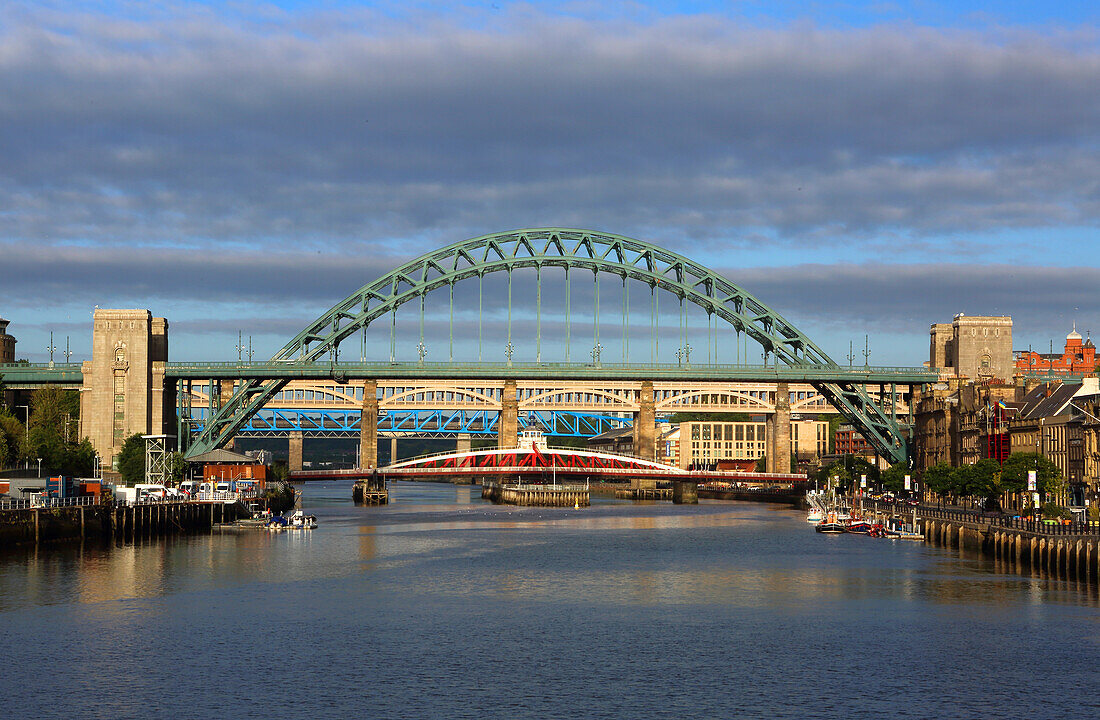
(124, 390)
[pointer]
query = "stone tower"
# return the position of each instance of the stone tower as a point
(7, 343)
(976, 347)
(124, 390)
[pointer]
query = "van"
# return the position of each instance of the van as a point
(221, 486)
(151, 492)
(206, 488)
(189, 487)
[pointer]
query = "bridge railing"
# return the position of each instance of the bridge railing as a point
(307, 368)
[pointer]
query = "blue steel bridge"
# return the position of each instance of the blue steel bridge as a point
(604, 288)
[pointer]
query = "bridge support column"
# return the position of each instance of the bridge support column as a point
(463, 443)
(778, 443)
(685, 492)
(294, 464)
(368, 426)
(645, 428)
(508, 426)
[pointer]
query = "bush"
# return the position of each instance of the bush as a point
(1052, 511)
(280, 497)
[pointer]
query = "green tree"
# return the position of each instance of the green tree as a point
(938, 478)
(893, 479)
(980, 480)
(175, 466)
(1015, 469)
(131, 460)
(12, 433)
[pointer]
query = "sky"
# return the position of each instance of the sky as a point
(864, 168)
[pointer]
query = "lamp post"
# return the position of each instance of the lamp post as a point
(50, 348)
(596, 350)
(39, 467)
(421, 350)
(509, 351)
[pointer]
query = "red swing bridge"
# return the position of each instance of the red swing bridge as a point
(533, 462)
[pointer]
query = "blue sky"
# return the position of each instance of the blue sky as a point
(864, 168)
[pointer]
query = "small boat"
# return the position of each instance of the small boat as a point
(830, 525)
(295, 521)
(859, 527)
(815, 515)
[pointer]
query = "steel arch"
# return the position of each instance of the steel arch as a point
(567, 248)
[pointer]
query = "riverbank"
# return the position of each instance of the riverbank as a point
(111, 521)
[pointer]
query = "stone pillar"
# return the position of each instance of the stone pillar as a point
(779, 432)
(295, 462)
(368, 426)
(393, 449)
(645, 427)
(463, 443)
(508, 426)
(685, 492)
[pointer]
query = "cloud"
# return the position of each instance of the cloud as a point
(347, 131)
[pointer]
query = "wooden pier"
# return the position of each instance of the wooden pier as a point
(538, 495)
(368, 492)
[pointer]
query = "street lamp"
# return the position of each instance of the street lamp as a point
(39, 467)
(421, 350)
(597, 349)
(50, 348)
(509, 351)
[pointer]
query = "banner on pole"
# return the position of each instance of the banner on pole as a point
(1031, 480)
(863, 481)
(907, 481)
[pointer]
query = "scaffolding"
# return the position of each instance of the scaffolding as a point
(156, 457)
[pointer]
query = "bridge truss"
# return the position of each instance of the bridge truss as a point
(604, 255)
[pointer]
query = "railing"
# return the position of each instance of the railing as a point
(1040, 527)
(48, 502)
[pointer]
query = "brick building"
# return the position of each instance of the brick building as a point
(1078, 358)
(7, 343)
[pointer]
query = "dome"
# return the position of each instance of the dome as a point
(1074, 335)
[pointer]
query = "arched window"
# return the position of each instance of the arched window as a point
(120, 355)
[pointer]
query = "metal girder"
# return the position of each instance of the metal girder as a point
(279, 422)
(568, 248)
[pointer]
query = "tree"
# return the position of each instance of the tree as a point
(938, 478)
(131, 460)
(983, 479)
(175, 466)
(894, 478)
(1015, 469)
(12, 434)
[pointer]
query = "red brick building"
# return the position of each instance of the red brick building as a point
(1078, 358)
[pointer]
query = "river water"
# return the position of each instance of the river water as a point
(443, 606)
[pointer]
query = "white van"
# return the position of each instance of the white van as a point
(151, 492)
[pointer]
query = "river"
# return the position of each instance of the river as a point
(443, 606)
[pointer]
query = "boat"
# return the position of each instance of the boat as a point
(830, 525)
(295, 521)
(815, 515)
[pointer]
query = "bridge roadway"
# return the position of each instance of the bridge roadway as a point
(18, 376)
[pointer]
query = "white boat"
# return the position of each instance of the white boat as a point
(815, 515)
(297, 520)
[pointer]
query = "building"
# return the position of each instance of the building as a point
(1051, 421)
(809, 439)
(974, 347)
(619, 441)
(7, 343)
(124, 391)
(668, 445)
(1078, 358)
(847, 440)
(713, 443)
